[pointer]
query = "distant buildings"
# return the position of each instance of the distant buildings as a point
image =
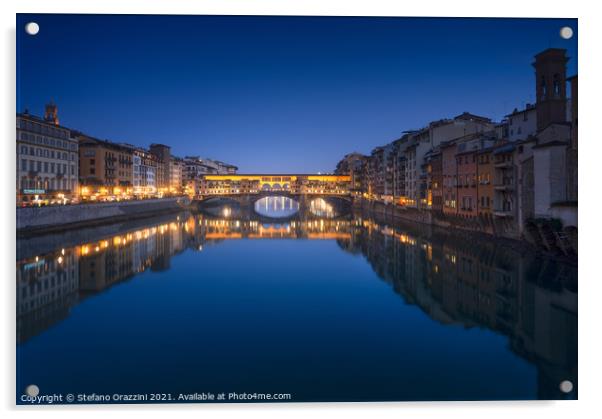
(105, 167)
(502, 178)
(353, 164)
(59, 165)
(196, 166)
(162, 155)
(145, 173)
(47, 159)
(398, 172)
(176, 175)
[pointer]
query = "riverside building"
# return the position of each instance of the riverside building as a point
(47, 160)
(105, 169)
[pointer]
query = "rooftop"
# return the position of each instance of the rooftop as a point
(40, 120)
(528, 107)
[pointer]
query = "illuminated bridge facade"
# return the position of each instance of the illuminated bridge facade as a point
(273, 184)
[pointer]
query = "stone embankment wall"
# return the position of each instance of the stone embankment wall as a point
(60, 217)
(562, 243)
(481, 224)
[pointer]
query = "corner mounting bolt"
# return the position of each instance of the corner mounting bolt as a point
(32, 28)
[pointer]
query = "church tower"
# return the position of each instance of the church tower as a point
(51, 114)
(550, 79)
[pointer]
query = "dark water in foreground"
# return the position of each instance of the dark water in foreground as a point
(324, 308)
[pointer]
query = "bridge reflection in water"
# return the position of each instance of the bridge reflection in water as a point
(458, 282)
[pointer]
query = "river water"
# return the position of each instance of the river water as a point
(279, 299)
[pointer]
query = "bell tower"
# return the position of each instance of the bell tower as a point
(51, 114)
(550, 88)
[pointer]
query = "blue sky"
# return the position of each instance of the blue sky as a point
(276, 94)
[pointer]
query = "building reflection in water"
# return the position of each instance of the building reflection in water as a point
(456, 280)
(459, 281)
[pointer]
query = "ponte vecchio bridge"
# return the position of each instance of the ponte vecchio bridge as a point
(256, 186)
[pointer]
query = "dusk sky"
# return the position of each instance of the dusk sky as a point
(276, 94)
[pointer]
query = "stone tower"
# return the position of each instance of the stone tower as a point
(550, 79)
(51, 114)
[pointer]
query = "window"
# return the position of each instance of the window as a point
(556, 85)
(23, 164)
(544, 90)
(467, 203)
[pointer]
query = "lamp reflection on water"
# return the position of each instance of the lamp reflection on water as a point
(321, 208)
(417, 265)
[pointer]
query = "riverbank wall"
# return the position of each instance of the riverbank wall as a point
(541, 239)
(48, 219)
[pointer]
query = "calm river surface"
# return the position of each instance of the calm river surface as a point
(323, 306)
